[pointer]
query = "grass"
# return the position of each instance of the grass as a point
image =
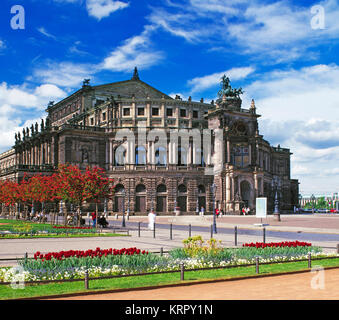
(6, 292)
(20, 225)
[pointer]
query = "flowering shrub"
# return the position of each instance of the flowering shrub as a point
(88, 253)
(196, 253)
(69, 227)
(278, 244)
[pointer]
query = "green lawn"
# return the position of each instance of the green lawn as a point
(25, 228)
(6, 292)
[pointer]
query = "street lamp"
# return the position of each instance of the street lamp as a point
(276, 213)
(197, 206)
(213, 189)
(105, 207)
(123, 209)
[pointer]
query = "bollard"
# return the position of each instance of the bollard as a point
(211, 231)
(182, 272)
(235, 235)
(171, 235)
(257, 265)
(264, 235)
(139, 229)
(154, 230)
(189, 231)
(86, 280)
(309, 261)
(161, 251)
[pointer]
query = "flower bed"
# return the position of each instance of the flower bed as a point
(88, 253)
(196, 253)
(71, 228)
(278, 244)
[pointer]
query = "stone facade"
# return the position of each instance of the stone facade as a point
(119, 126)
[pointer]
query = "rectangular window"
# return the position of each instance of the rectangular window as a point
(141, 111)
(155, 111)
(182, 113)
(104, 116)
(169, 112)
(92, 121)
(195, 114)
(126, 111)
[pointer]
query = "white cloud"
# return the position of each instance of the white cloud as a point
(64, 74)
(300, 111)
(103, 8)
(50, 90)
(206, 82)
(135, 51)
(43, 31)
(18, 103)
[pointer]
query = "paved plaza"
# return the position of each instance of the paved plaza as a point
(319, 230)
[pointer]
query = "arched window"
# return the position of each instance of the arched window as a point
(120, 156)
(161, 156)
(140, 156)
(201, 189)
(182, 157)
(119, 188)
(161, 188)
(199, 157)
(182, 188)
(140, 188)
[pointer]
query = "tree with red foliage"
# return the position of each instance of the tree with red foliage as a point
(97, 186)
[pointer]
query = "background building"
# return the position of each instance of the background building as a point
(82, 130)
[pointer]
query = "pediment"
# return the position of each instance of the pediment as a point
(126, 89)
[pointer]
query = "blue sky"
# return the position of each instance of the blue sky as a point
(279, 52)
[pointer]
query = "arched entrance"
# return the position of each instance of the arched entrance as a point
(119, 198)
(245, 188)
(182, 198)
(202, 196)
(161, 198)
(140, 199)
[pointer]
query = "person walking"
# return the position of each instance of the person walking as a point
(202, 211)
(94, 219)
(151, 220)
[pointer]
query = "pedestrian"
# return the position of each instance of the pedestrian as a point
(221, 213)
(248, 210)
(217, 212)
(243, 211)
(202, 211)
(94, 219)
(151, 219)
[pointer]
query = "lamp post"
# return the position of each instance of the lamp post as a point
(105, 207)
(197, 206)
(213, 189)
(300, 197)
(276, 213)
(123, 209)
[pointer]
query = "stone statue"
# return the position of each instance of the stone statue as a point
(86, 82)
(84, 155)
(24, 133)
(19, 136)
(50, 104)
(16, 137)
(42, 127)
(36, 127)
(227, 91)
(32, 130)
